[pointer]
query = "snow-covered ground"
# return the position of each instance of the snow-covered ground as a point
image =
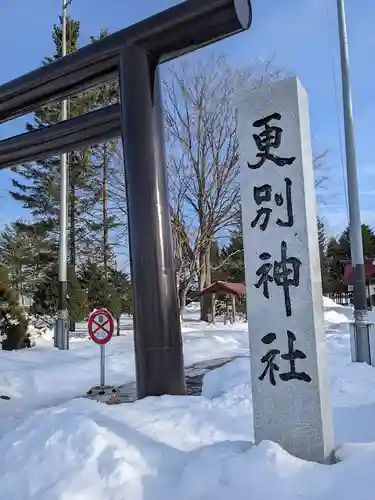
(56, 445)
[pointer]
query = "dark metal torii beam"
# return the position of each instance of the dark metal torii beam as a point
(63, 137)
(172, 33)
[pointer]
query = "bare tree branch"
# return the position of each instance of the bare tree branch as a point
(202, 146)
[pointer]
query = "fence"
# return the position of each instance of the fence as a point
(344, 298)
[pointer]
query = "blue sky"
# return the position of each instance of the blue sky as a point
(300, 35)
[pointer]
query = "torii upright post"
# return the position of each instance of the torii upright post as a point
(157, 339)
(157, 330)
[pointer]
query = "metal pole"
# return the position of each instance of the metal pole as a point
(356, 246)
(102, 365)
(369, 286)
(105, 211)
(63, 315)
(157, 330)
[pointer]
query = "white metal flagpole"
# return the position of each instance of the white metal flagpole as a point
(361, 326)
(62, 328)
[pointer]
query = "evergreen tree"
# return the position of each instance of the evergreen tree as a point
(232, 257)
(13, 323)
(335, 254)
(368, 239)
(217, 271)
(26, 255)
(122, 284)
(109, 289)
(322, 240)
(46, 296)
(339, 250)
(106, 95)
(37, 185)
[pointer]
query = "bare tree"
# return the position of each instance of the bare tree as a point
(202, 146)
(201, 131)
(322, 174)
(117, 200)
(107, 221)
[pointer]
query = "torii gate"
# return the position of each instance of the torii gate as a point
(133, 54)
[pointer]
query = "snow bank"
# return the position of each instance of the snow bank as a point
(329, 304)
(333, 317)
(42, 376)
(54, 447)
(184, 448)
(44, 332)
(88, 451)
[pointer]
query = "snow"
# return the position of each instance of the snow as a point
(57, 445)
(331, 304)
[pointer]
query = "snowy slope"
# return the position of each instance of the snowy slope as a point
(188, 448)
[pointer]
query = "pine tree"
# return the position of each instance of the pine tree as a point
(217, 273)
(103, 223)
(322, 240)
(46, 295)
(121, 282)
(13, 323)
(339, 250)
(37, 184)
(25, 253)
(106, 288)
(368, 239)
(232, 257)
(106, 95)
(37, 187)
(335, 254)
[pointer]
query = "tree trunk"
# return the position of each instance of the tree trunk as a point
(19, 284)
(105, 212)
(72, 225)
(233, 299)
(178, 281)
(182, 294)
(201, 268)
(206, 300)
(202, 280)
(183, 289)
(213, 308)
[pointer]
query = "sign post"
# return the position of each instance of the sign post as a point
(102, 365)
(101, 327)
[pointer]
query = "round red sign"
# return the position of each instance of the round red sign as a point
(101, 326)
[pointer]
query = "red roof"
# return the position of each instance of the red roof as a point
(225, 287)
(348, 271)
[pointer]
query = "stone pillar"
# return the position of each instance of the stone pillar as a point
(290, 383)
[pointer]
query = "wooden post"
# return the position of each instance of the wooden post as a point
(226, 315)
(213, 308)
(233, 297)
